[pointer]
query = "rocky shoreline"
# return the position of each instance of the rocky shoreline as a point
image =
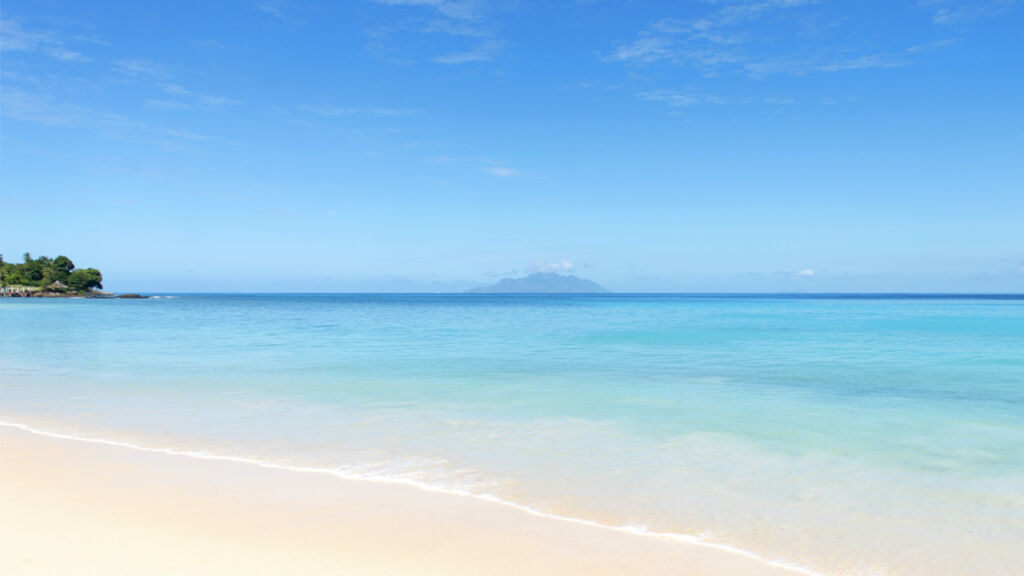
(23, 292)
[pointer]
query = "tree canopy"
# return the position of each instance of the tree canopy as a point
(45, 273)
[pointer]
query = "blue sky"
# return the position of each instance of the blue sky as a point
(420, 145)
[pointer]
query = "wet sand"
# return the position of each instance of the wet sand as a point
(75, 507)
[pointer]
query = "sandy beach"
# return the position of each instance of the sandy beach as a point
(75, 507)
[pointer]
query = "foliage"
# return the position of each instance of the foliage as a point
(42, 272)
(83, 280)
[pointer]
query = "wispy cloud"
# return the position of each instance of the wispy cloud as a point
(16, 38)
(280, 11)
(173, 96)
(35, 93)
(760, 38)
(805, 273)
(186, 135)
(458, 160)
(338, 111)
(198, 99)
(678, 99)
(141, 68)
(802, 66)
(651, 46)
(950, 12)
(163, 104)
(48, 110)
(451, 10)
(934, 45)
(863, 62)
(714, 39)
(485, 165)
(561, 267)
(688, 99)
(556, 266)
(502, 171)
(467, 21)
(482, 52)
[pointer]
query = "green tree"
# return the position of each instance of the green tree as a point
(12, 274)
(33, 271)
(60, 268)
(85, 279)
(44, 271)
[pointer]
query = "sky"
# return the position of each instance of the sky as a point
(436, 145)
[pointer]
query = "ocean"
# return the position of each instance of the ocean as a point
(845, 435)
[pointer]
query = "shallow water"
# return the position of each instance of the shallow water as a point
(847, 435)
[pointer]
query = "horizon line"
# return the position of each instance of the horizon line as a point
(589, 294)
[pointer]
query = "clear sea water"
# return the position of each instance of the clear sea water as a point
(847, 435)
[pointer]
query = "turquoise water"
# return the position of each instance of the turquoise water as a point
(846, 435)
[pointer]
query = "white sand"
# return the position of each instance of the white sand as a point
(72, 507)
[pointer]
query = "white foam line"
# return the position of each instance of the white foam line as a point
(634, 530)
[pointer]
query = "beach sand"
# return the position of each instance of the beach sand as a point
(74, 507)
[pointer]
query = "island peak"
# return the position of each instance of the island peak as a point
(542, 283)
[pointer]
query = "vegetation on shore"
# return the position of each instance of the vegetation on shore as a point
(44, 276)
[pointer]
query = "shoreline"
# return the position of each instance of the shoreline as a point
(84, 295)
(396, 523)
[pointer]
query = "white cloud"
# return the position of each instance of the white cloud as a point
(502, 171)
(806, 273)
(644, 49)
(951, 12)
(166, 104)
(410, 2)
(863, 62)
(687, 99)
(337, 111)
(49, 111)
(680, 99)
(15, 38)
(932, 45)
(562, 267)
(455, 160)
(208, 100)
(454, 9)
(483, 52)
(492, 167)
(186, 135)
(198, 99)
(465, 19)
(732, 36)
(710, 41)
(141, 68)
(278, 10)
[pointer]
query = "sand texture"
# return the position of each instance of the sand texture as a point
(73, 507)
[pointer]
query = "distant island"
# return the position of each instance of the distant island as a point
(542, 283)
(45, 277)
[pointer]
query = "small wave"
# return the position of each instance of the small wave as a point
(405, 480)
